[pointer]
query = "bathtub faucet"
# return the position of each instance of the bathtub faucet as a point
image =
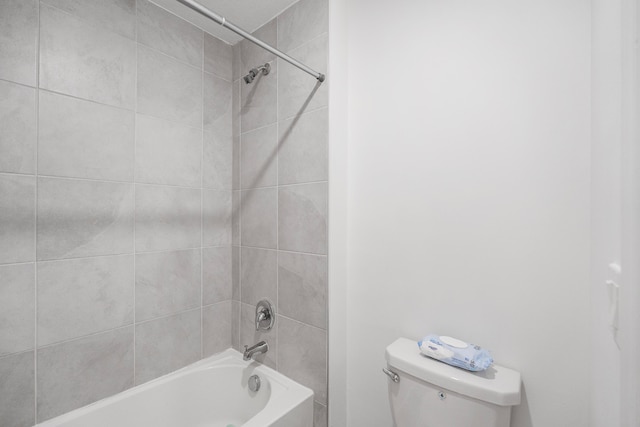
(260, 348)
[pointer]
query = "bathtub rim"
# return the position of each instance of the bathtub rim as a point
(278, 406)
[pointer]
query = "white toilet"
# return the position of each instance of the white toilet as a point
(426, 393)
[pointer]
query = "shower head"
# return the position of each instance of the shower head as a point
(265, 69)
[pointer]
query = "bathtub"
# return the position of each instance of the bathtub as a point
(213, 392)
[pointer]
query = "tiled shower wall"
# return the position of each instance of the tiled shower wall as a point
(280, 196)
(116, 153)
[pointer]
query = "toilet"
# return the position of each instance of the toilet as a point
(424, 392)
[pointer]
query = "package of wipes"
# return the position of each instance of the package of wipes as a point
(456, 352)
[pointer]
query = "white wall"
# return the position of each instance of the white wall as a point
(338, 220)
(606, 125)
(469, 192)
(630, 153)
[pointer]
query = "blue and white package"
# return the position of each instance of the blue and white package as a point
(456, 353)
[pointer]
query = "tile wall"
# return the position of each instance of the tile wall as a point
(116, 157)
(143, 214)
(280, 196)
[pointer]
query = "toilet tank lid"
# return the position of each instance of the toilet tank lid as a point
(497, 385)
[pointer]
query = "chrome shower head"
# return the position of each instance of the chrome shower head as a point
(265, 69)
(249, 77)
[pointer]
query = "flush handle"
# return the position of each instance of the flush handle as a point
(394, 377)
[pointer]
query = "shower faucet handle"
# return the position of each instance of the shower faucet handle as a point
(265, 315)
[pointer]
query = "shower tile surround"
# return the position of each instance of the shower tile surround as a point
(115, 201)
(142, 213)
(281, 184)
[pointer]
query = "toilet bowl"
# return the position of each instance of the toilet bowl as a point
(424, 392)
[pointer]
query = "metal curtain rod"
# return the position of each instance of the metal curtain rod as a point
(222, 21)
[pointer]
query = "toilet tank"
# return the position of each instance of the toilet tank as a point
(433, 394)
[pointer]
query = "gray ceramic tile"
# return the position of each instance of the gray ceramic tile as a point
(79, 372)
(235, 179)
(216, 328)
(17, 308)
(303, 153)
(259, 275)
(252, 55)
(302, 355)
(302, 218)
(237, 57)
(259, 157)
(168, 153)
(18, 37)
(17, 218)
(169, 34)
(258, 100)
(235, 217)
(217, 214)
(218, 106)
(217, 162)
(17, 390)
(218, 57)
(18, 124)
(167, 283)
(302, 288)
(83, 296)
(83, 139)
(217, 274)
(167, 344)
(249, 336)
(167, 218)
(235, 272)
(83, 218)
(297, 92)
(118, 16)
(174, 94)
(236, 108)
(259, 218)
(302, 22)
(235, 325)
(79, 59)
(320, 415)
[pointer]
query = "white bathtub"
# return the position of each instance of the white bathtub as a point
(210, 393)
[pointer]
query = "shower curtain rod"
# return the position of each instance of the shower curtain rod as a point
(222, 21)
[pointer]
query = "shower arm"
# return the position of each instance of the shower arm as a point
(222, 21)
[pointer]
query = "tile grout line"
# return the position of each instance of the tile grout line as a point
(291, 50)
(293, 319)
(89, 335)
(112, 329)
(162, 251)
(218, 303)
(181, 61)
(103, 104)
(240, 207)
(286, 251)
(13, 82)
(298, 116)
(217, 76)
(90, 101)
(289, 118)
(86, 22)
(284, 185)
(109, 181)
(277, 195)
(135, 155)
(35, 225)
(202, 165)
